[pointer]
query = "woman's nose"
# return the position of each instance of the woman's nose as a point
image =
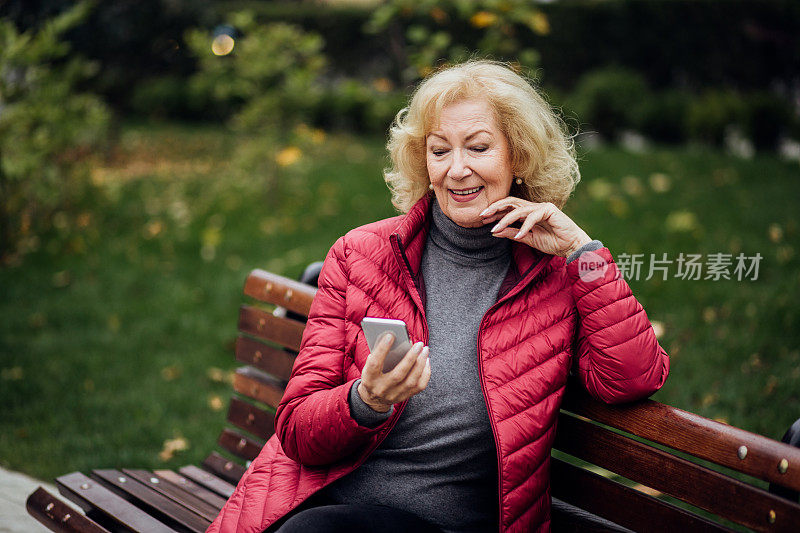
(458, 167)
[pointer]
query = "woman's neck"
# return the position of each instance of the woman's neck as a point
(475, 244)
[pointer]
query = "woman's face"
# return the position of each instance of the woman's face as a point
(469, 162)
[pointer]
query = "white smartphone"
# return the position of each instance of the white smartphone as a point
(374, 329)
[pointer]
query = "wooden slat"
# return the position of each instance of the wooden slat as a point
(275, 361)
(226, 469)
(257, 385)
(208, 480)
(694, 484)
(173, 492)
(250, 418)
(58, 516)
(278, 290)
(623, 505)
(91, 495)
(162, 507)
(213, 499)
(259, 323)
(239, 445)
(693, 434)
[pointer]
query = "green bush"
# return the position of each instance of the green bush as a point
(357, 106)
(270, 79)
(47, 128)
(425, 33)
(662, 116)
(608, 100)
(711, 114)
(173, 97)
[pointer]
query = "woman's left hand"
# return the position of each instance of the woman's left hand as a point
(544, 226)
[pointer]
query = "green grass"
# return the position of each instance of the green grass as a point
(116, 332)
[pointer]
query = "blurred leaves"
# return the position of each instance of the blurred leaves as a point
(47, 129)
(428, 32)
(607, 99)
(270, 83)
(271, 78)
(14, 373)
(288, 156)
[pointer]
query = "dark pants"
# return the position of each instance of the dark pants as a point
(346, 518)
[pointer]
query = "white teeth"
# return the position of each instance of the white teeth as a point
(466, 192)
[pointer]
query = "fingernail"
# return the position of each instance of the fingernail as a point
(418, 346)
(427, 352)
(494, 229)
(388, 338)
(484, 212)
(518, 235)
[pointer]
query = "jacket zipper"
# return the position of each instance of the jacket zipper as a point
(407, 270)
(514, 291)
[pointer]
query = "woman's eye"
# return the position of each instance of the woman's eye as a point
(438, 152)
(480, 148)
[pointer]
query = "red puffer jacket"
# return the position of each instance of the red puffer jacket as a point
(547, 320)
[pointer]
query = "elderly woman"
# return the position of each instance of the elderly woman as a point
(504, 294)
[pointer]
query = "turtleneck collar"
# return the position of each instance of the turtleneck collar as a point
(467, 244)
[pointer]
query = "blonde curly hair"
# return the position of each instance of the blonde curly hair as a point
(542, 151)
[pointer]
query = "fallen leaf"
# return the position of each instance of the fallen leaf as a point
(772, 383)
(170, 373)
(172, 446)
(153, 229)
(61, 279)
(632, 186)
(215, 374)
(709, 399)
(215, 403)
(599, 189)
(679, 221)
(660, 182)
(775, 232)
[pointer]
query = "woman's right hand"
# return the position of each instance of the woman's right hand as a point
(409, 377)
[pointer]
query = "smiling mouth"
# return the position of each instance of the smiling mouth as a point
(466, 192)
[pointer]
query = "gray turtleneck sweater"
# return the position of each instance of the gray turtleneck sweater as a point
(440, 462)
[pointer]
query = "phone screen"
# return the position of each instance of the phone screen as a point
(374, 328)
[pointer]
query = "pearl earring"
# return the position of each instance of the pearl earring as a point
(518, 181)
(430, 186)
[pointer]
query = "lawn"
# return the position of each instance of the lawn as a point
(116, 332)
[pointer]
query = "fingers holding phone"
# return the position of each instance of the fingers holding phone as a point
(410, 375)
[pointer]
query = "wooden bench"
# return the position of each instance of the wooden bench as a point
(629, 464)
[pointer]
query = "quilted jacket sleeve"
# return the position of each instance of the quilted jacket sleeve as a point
(618, 358)
(313, 420)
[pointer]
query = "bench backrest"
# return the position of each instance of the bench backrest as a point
(630, 464)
